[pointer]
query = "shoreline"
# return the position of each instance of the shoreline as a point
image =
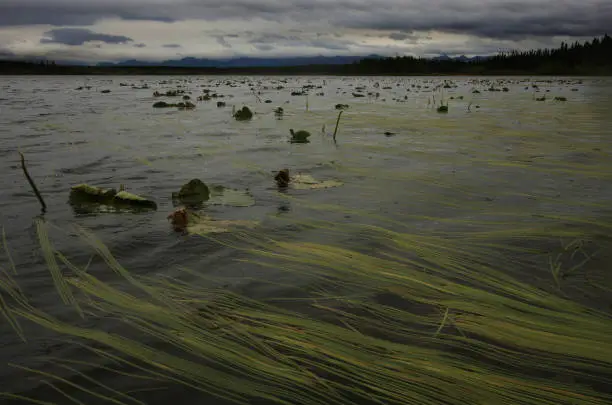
(198, 72)
(28, 69)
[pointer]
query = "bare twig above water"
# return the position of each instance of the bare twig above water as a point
(337, 123)
(256, 96)
(25, 171)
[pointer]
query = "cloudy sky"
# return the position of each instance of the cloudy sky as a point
(110, 30)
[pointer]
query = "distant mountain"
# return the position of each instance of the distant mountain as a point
(462, 58)
(246, 62)
(589, 58)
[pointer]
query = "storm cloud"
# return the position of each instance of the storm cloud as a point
(294, 26)
(405, 36)
(502, 20)
(5, 53)
(79, 36)
(266, 42)
(223, 42)
(499, 19)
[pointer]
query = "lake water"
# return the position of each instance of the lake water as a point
(495, 154)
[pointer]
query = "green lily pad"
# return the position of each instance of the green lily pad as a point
(243, 114)
(220, 195)
(299, 136)
(92, 191)
(84, 195)
(307, 182)
(124, 195)
(194, 192)
(133, 199)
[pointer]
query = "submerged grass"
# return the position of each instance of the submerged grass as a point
(422, 319)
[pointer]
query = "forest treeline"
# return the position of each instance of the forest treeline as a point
(589, 58)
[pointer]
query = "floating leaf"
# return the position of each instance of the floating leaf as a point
(202, 224)
(299, 136)
(125, 197)
(244, 114)
(307, 182)
(92, 191)
(220, 195)
(85, 196)
(194, 192)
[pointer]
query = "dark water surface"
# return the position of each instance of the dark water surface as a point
(507, 153)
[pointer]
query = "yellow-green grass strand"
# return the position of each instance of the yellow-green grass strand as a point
(7, 252)
(48, 252)
(67, 382)
(62, 392)
(101, 367)
(24, 398)
(188, 370)
(98, 383)
(166, 337)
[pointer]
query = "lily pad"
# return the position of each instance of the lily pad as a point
(220, 195)
(124, 196)
(299, 136)
(162, 104)
(193, 192)
(243, 114)
(92, 191)
(307, 182)
(85, 195)
(202, 224)
(186, 106)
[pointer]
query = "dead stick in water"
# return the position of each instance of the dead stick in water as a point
(337, 122)
(25, 171)
(256, 96)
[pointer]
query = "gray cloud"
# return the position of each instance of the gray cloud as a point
(275, 38)
(503, 19)
(222, 41)
(295, 27)
(5, 53)
(492, 19)
(79, 36)
(263, 47)
(264, 41)
(398, 36)
(408, 37)
(76, 12)
(87, 12)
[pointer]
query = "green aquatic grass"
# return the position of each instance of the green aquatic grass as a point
(466, 331)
